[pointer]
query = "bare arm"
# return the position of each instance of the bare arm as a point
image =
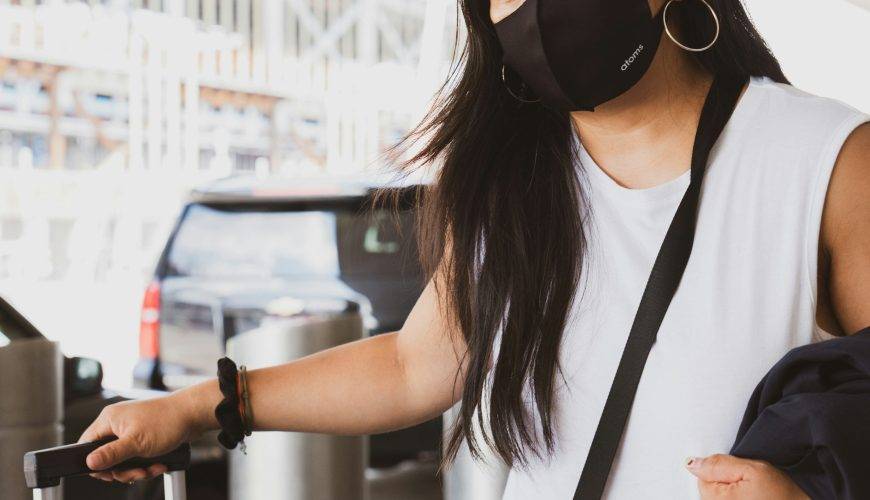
(372, 385)
(844, 307)
(844, 302)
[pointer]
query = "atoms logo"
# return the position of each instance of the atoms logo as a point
(628, 62)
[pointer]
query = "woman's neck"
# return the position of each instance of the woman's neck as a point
(644, 137)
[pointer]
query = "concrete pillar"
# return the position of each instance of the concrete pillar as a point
(135, 108)
(154, 81)
(56, 140)
(191, 118)
(273, 26)
(31, 409)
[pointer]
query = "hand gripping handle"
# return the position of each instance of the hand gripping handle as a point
(45, 468)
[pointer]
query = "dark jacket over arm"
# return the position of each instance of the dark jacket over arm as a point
(810, 416)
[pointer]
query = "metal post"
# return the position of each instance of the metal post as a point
(299, 465)
(55, 493)
(31, 408)
(174, 486)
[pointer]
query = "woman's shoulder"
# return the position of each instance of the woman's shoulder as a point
(791, 130)
(787, 110)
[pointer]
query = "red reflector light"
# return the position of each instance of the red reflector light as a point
(149, 325)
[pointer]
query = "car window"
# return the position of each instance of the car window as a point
(211, 242)
(242, 242)
(379, 244)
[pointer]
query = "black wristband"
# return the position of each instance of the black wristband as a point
(227, 411)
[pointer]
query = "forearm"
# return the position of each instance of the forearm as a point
(356, 388)
(369, 386)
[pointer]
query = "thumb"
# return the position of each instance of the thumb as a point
(111, 454)
(97, 430)
(717, 468)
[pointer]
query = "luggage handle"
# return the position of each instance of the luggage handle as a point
(45, 468)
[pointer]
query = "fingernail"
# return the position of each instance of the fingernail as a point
(693, 463)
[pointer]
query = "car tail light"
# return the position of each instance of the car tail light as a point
(149, 325)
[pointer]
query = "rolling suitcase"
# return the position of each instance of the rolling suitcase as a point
(44, 469)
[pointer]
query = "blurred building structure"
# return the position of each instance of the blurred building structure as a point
(202, 84)
(111, 110)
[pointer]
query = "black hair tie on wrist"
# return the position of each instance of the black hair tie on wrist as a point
(227, 411)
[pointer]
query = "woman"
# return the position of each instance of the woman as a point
(539, 246)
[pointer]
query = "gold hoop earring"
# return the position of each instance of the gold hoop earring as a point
(511, 92)
(677, 42)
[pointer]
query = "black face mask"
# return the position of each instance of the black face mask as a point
(577, 54)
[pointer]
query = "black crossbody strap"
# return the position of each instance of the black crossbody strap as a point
(660, 289)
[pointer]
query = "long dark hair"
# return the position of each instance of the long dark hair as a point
(501, 226)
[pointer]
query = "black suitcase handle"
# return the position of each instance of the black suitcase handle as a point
(45, 468)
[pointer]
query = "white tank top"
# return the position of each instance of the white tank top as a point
(747, 297)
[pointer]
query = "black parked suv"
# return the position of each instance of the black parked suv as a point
(241, 247)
